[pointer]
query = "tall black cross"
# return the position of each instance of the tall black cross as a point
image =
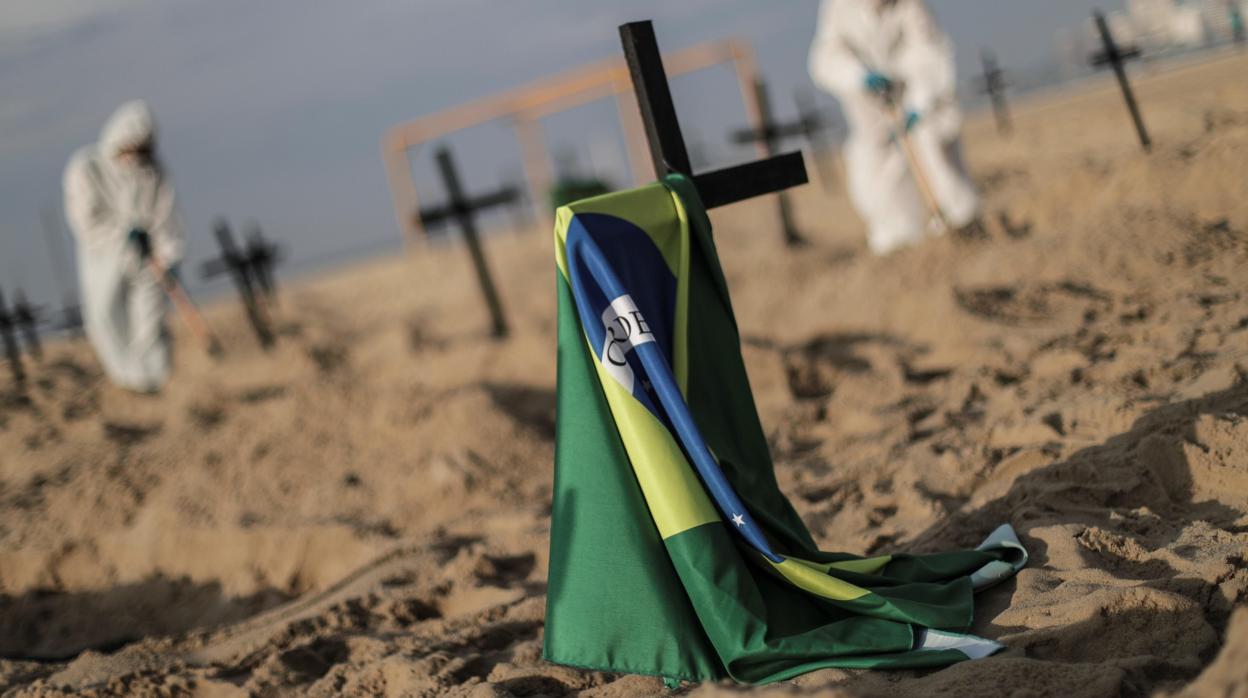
(1117, 56)
(667, 145)
(462, 209)
(243, 272)
(993, 84)
(9, 326)
(771, 134)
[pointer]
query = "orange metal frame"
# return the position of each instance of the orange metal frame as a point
(526, 106)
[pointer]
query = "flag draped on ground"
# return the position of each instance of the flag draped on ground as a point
(673, 551)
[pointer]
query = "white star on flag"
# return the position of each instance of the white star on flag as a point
(738, 519)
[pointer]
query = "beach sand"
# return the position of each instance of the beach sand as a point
(365, 509)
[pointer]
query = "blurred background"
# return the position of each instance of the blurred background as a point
(273, 113)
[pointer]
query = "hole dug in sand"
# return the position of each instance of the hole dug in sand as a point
(122, 588)
(57, 625)
(1136, 546)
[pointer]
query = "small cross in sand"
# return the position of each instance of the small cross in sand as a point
(461, 209)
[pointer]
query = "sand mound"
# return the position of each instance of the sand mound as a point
(365, 509)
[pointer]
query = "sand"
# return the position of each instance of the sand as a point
(365, 509)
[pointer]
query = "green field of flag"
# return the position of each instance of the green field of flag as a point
(673, 551)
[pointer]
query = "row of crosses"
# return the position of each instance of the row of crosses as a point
(249, 266)
(667, 152)
(1113, 55)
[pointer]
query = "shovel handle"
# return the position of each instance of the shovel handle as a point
(916, 165)
(186, 308)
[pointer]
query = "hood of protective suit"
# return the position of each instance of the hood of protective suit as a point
(130, 126)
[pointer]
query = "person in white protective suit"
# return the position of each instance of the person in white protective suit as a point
(120, 206)
(872, 54)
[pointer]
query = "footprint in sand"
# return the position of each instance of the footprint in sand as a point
(813, 367)
(130, 434)
(1014, 230)
(309, 662)
(262, 393)
(1026, 304)
(328, 357)
(206, 417)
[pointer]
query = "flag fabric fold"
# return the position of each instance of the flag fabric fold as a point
(673, 551)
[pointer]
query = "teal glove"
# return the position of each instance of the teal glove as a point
(877, 82)
(912, 120)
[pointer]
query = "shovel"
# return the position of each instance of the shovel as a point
(182, 302)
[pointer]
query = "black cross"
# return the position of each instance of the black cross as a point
(771, 135)
(667, 145)
(993, 84)
(263, 255)
(243, 271)
(9, 325)
(809, 123)
(27, 317)
(520, 207)
(461, 209)
(1116, 56)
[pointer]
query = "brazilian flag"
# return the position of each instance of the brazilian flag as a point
(673, 551)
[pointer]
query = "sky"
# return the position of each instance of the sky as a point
(273, 112)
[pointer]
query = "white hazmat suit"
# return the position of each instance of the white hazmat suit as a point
(861, 40)
(111, 189)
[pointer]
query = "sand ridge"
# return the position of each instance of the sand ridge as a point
(365, 510)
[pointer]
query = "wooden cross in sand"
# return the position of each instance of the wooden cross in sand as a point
(771, 135)
(263, 255)
(667, 144)
(993, 84)
(251, 272)
(462, 209)
(13, 321)
(1116, 56)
